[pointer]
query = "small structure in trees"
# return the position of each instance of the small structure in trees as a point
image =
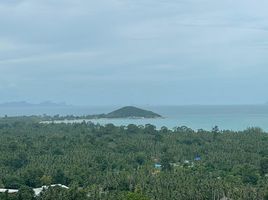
(197, 158)
(157, 166)
(37, 191)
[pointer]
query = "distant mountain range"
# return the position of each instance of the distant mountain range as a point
(27, 104)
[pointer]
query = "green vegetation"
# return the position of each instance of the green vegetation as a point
(108, 162)
(125, 112)
(130, 111)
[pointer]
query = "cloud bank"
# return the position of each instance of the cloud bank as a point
(134, 52)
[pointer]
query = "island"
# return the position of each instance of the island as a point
(132, 112)
(124, 112)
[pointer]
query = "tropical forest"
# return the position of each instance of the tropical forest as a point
(108, 162)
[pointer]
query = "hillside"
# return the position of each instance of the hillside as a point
(131, 111)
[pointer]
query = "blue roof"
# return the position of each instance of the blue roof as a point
(157, 165)
(197, 158)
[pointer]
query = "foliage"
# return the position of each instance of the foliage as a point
(134, 196)
(131, 111)
(108, 162)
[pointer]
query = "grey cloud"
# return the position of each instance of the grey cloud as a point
(133, 49)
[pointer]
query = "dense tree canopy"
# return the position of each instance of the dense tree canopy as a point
(109, 162)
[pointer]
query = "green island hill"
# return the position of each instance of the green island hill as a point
(132, 112)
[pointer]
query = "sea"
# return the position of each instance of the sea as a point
(226, 117)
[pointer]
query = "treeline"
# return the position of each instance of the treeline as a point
(41, 118)
(132, 162)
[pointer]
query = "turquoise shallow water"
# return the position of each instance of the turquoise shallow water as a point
(205, 117)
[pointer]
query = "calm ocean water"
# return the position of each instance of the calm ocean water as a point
(205, 117)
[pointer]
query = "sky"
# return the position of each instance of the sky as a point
(134, 52)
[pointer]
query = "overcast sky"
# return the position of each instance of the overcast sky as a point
(124, 52)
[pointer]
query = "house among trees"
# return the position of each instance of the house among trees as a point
(37, 191)
(9, 191)
(157, 166)
(197, 158)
